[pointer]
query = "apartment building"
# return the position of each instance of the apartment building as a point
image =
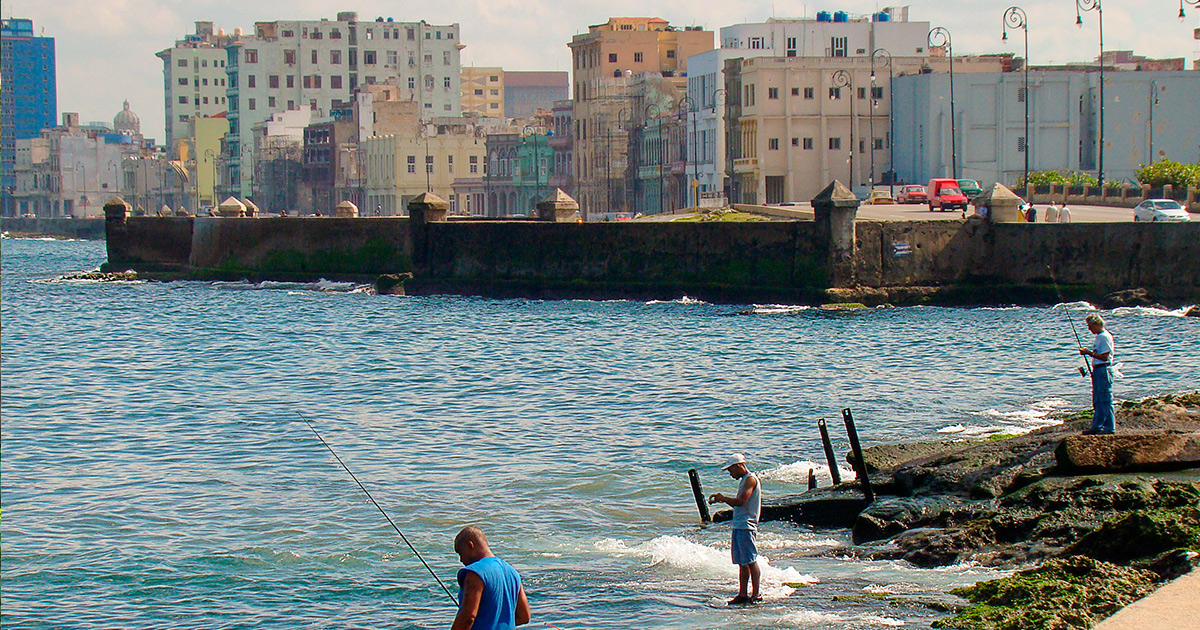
(318, 64)
(528, 92)
(194, 80)
(604, 60)
(396, 168)
(28, 96)
(483, 91)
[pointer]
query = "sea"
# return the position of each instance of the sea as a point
(157, 472)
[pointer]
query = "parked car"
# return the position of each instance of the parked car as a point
(970, 188)
(944, 194)
(912, 194)
(1160, 210)
(879, 197)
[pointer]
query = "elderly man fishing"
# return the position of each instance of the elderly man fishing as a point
(1104, 419)
(746, 507)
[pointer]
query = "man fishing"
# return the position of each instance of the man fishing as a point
(490, 592)
(746, 507)
(1104, 419)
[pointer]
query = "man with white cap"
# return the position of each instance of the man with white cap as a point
(746, 507)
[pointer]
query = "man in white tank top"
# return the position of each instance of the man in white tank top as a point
(746, 507)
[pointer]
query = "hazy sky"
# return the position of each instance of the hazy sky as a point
(106, 48)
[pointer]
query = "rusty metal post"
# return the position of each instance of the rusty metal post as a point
(860, 465)
(812, 479)
(698, 493)
(834, 472)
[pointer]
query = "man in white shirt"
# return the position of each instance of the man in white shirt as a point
(1104, 420)
(1064, 214)
(1052, 213)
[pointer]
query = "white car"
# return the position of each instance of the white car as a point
(1160, 210)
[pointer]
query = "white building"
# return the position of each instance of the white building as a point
(288, 65)
(194, 79)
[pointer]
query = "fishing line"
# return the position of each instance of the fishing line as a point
(385, 515)
(1087, 364)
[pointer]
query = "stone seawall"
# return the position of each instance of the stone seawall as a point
(833, 258)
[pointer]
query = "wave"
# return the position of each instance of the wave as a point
(776, 309)
(817, 619)
(1150, 311)
(320, 286)
(1042, 413)
(797, 472)
(1074, 306)
(683, 300)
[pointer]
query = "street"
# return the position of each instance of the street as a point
(914, 212)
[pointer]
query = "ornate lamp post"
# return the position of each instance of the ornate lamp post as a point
(842, 79)
(938, 37)
(886, 58)
(1195, 3)
(691, 112)
(1014, 17)
(1082, 6)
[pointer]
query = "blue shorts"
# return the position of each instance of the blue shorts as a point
(743, 548)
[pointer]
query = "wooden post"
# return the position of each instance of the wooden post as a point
(812, 479)
(698, 492)
(834, 472)
(860, 465)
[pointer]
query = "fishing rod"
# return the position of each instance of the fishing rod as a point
(385, 515)
(1086, 364)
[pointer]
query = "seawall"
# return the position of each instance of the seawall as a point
(833, 258)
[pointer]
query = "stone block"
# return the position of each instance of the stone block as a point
(559, 207)
(1128, 453)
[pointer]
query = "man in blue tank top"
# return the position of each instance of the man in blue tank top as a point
(490, 594)
(746, 507)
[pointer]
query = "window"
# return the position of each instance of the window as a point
(291, 81)
(183, 100)
(182, 63)
(756, 43)
(1020, 144)
(446, 82)
(494, 92)
(795, 142)
(273, 81)
(412, 34)
(493, 105)
(335, 56)
(251, 55)
(809, 93)
(878, 144)
(835, 93)
(862, 93)
(474, 163)
(314, 57)
(182, 80)
(370, 34)
(196, 101)
(428, 58)
(637, 57)
(204, 100)
(749, 100)
(412, 164)
(317, 81)
(291, 105)
(791, 46)
(808, 144)
(773, 93)
(307, 82)
(876, 92)
(288, 33)
(250, 103)
(795, 91)
(450, 163)
(445, 57)
(317, 35)
(183, 118)
(271, 102)
(773, 144)
(612, 57)
(835, 144)
(369, 57)
(479, 92)
(412, 83)
(428, 160)
(204, 81)
(289, 57)
(335, 81)
(671, 54)
(493, 78)
(1021, 95)
(251, 81)
(838, 47)
(335, 34)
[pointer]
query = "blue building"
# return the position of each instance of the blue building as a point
(28, 96)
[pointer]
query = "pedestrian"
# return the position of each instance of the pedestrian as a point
(1103, 414)
(1052, 213)
(489, 590)
(746, 507)
(1064, 214)
(1031, 214)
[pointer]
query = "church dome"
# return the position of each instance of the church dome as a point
(127, 121)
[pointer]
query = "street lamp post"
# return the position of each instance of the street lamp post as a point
(718, 106)
(886, 57)
(1014, 17)
(1153, 104)
(694, 185)
(842, 79)
(938, 37)
(1082, 6)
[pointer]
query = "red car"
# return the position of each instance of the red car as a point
(912, 194)
(944, 194)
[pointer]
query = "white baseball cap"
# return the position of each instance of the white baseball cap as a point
(733, 460)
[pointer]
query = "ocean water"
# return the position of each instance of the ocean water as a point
(156, 472)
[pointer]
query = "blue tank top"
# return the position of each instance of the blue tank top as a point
(501, 583)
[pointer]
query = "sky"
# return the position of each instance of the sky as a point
(105, 48)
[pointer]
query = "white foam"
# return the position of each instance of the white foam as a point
(1074, 306)
(678, 553)
(1015, 422)
(811, 619)
(797, 472)
(1150, 312)
(321, 286)
(778, 309)
(683, 300)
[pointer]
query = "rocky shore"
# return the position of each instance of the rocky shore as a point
(1091, 523)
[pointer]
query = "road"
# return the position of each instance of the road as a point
(1079, 214)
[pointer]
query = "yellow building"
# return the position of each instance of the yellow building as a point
(398, 167)
(205, 160)
(603, 61)
(483, 91)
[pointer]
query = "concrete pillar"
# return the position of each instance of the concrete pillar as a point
(231, 207)
(346, 210)
(1003, 205)
(116, 210)
(428, 208)
(251, 208)
(835, 210)
(559, 207)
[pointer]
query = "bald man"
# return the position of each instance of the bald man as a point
(490, 594)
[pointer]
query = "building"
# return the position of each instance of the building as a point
(562, 142)
(28, 96)
(483, 91)
(527, 93)
(194, 79)
(330, 163)
(398, 167)
(287, 65)
(1148, 116)
(208, 133)
(278, 159)
(604, 60)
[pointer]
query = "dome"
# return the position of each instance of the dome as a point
(127, 121)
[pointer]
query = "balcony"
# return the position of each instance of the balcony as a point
(745, 165)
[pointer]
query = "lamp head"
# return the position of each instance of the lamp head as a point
(1004, 38)
(1078, 20)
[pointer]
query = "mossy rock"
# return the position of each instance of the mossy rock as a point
(1142, 535)
(1063, 594)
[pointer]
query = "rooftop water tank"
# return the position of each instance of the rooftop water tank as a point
(824, 16)
(883, 17)
(841, 16)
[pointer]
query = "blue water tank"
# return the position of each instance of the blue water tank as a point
(824, 16)
(883, 16)
(841, 16)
